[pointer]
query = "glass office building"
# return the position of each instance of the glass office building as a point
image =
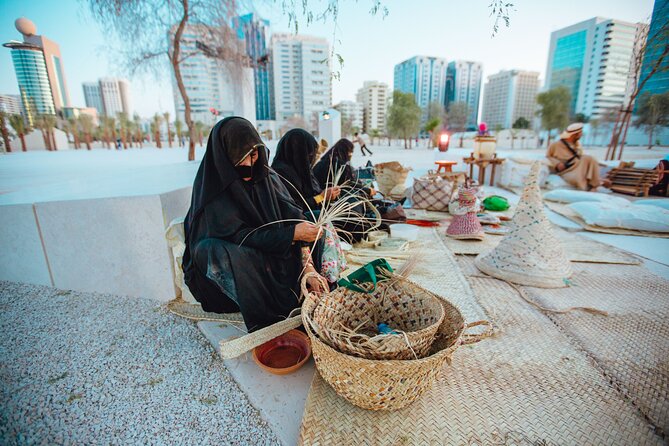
(33, 80)
(594, 61)
(255, 33)
(659, 82)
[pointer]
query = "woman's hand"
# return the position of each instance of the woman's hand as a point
(306, 232)
(331, 193)
(313, 284)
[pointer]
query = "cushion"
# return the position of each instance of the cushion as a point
(576, 196)
(611, 215)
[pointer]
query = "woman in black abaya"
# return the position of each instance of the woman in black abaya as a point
(295, 156)
(229, 264)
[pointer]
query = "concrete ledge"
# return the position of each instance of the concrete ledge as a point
(111, 245)
(22, 257)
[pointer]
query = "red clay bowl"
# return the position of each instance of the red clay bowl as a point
(284, 354)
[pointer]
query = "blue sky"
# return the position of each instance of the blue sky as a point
(370, 45)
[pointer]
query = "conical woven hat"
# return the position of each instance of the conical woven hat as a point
(529, 254)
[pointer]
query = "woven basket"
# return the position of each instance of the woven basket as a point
(387, 384)
(390, 174)
(348, 320)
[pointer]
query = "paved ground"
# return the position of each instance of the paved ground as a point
(85, 368)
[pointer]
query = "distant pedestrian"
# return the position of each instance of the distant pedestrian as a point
(118, 144)
(363, 146)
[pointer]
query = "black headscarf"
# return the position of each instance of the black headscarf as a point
(243, 204)
(332, 160)
(295, 156)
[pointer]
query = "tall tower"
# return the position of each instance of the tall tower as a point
(425, 77)
(463, 84)
(509, 95)
(255, 33)
(39, 72)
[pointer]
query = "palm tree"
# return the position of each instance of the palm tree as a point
(166, 116)
(19, 126)
(40, 124)
(123, 124)
(155, 126)
(139, 136)
(73, 129)
(86, 122)
(4, 131)
(50, 123)
(178, 126)
(199, 127)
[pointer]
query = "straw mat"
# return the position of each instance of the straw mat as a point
(577, 248)
(567, 212)
(631, 345)
(529, 385)
(196, 313)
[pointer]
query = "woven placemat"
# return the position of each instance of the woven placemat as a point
(631, 345)
(567, 212)
(195, 312)
(577, 248)
(529, 385)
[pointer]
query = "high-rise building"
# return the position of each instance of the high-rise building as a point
(425, 77)
(255, 32)
(657, 40)
(374, 98)
(354, 111)
(109, 96)
(509, 95)
(594, 60)
(301, 74)
(39, 72)
(216, 88)
(93, 97)
(463, 84)
(10, 104)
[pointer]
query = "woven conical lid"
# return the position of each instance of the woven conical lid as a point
(529, 254)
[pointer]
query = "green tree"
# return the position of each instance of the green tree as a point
(19, 125)
(199, 130)
(123, 128)
(87, 128)
(139, 134)
(554, 110)
(594, 128)
(404, 116)
(580, 117)
(458, 112)
(521, 123)
(346, 126)
(653, 112)
(375, 134)
(166, 117)
(430, 126)
(178, 128)
(5, 131)
(73, 129)
(155, 128)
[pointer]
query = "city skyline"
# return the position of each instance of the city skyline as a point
(465, 37)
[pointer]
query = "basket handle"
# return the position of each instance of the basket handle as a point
(474, 338)
(303, 285)
(231, 348)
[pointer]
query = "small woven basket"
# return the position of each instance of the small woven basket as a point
(387, 384)
(390, 174)
(348, 320)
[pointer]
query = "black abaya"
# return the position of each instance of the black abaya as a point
(229, 264)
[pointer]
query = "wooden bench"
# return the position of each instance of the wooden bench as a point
(633, 181)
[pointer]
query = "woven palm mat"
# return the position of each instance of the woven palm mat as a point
(577, 248)
(196, 313)
(567, 212)
(631, 345)
(528, 385)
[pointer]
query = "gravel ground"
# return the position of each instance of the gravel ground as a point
(88, 368)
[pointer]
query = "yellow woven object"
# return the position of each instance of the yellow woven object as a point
(390, 174)
(529, 254)
(384, 384)
(348, 320)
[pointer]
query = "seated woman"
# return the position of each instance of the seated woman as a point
(335, 161)
(568, 161)
(294, 158)
(232, 262)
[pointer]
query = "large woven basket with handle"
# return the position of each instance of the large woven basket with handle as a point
(390, 174)
(348, 320)
(385, 384)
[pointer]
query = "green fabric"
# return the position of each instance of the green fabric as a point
(365, 274)
(496, 203)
